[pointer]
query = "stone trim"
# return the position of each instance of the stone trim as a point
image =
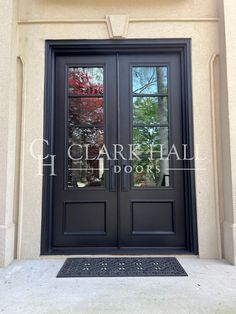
(131, 20)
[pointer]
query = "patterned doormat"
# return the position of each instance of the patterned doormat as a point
(121, 267)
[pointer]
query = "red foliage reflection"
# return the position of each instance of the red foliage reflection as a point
(82, 83)
(85, 125)
(86, 111)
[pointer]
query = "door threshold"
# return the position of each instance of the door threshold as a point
(119, 251)
(59, 257)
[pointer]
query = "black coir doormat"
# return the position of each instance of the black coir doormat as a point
(121, 267)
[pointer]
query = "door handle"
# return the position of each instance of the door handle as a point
(112, 176)
(125, 176)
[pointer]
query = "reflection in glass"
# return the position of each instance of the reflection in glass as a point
(85, 81)
(83, 170)
(150, 126)
(86, 173)
(145, 137)
(150, 110)
(147, 172)
(86, 111)
(149, 80)
(85, 127)
(150, 173)
(92, 136)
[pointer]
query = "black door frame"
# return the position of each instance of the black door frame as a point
(57, 47)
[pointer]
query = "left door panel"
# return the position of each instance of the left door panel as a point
(84, 191)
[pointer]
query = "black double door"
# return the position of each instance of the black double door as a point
(117, 137)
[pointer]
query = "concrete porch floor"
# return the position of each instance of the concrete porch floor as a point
(31, 286)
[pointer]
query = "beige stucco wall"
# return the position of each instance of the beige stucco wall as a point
(74, 9)
(227, 33)
(8, 34)
(80, 19)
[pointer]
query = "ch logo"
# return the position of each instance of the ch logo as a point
(41, 158)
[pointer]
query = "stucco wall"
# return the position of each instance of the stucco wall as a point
(8, 108)
(75, 9)
(40, 20)
(227, 10)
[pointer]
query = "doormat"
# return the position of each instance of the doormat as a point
(121, 267)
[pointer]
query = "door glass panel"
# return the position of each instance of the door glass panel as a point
(85, 127)
(150, 127)
(86, 111)
(150, 173)
(149, 80)
(150, 110)
(151, 138)
(86, 81)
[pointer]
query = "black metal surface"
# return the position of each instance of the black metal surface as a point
(121, 267)
(55, 49)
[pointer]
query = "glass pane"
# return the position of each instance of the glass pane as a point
(151, 173)
(152, 170)
(85, 81)
(147, 137)
(162, 80)
(86, 111)
(86, 173)
(150, 80)
(91, 136)
(85, 144)
(85, 127)
(150, 110)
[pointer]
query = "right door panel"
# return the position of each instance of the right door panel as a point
(152, 208)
